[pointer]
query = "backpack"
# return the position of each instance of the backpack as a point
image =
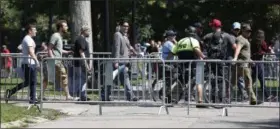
(217, 48)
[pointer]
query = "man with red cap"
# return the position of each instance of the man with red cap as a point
(219, 45)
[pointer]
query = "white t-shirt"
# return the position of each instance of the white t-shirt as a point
(26, 43)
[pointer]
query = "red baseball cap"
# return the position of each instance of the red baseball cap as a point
(215, 23)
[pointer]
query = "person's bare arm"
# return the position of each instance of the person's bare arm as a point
(32, 54)
(50, 47)
(237, 51)
(199, 53)
(66, 52)
(85, 61)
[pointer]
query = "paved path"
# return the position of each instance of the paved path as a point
(86, 116)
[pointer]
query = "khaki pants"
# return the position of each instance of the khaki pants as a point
(61, 74)
(245, 72)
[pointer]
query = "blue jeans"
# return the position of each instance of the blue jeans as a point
(258, 71)
(78, 80)
(30, 79)
(124, 79)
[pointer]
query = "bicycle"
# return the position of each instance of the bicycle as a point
(180, 90)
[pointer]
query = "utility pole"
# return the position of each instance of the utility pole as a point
(107, 27)
(134, 38)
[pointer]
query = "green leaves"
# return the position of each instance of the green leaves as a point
(11, 16)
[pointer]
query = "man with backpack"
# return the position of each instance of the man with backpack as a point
(219, 45)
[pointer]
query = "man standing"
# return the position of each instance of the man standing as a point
(29, 65)
(168, 45)
(188, 48)
(259, 48)
(55, 50)
(121, 49)
(236, 27)
(81, 67)
(243, 53)
(219, 45)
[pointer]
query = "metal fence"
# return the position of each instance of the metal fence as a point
(16, 83)
(174, 84)
(167, 83)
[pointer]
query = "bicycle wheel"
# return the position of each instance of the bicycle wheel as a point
(214, 94)
(174, 91)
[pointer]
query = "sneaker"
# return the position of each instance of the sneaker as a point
(69, 98)
(34, 102)
(256, 102)
(7, 95)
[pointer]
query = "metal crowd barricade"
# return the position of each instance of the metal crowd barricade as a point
(16, 62)
(7, 74)
(272, 73)
(218, 86)
(101, 54)
(110, 91)
(17, 77)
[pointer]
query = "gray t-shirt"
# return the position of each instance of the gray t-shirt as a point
(56, 41)
(227, 39)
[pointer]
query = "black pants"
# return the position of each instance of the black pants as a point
(30, 79)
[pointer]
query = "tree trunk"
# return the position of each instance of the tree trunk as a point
(81, 15)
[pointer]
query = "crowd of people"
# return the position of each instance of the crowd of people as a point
(236, 45)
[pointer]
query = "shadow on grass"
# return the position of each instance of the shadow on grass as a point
(271, 124)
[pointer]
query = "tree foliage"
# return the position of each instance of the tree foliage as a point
(153, 17)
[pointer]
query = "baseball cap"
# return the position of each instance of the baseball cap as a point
(215, 23)
(170, 33)
(236, 25)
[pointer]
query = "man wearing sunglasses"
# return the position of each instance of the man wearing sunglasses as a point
(243, 53)
(122, 49)
(236, 27)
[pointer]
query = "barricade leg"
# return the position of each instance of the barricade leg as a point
(100, 109)
(166, 109)
(32, 105)
(225, 112)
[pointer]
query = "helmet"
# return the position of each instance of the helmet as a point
(190, 30)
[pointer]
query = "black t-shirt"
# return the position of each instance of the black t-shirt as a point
(151, 49)
(80, 44)
(225, 37)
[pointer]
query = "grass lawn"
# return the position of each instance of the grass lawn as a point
(10, 112)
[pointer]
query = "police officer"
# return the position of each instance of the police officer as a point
(189, 48)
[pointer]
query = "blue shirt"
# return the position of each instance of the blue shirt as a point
(166, 49)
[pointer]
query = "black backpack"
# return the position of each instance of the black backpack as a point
(217, 47)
